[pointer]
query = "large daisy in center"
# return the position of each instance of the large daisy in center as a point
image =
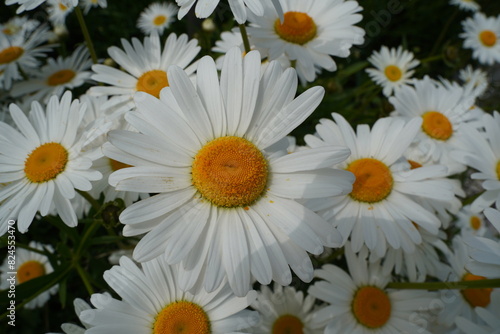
(227, 186)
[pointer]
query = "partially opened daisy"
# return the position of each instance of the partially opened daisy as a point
(475, 80)
(482, 34)
(393, 68)
(359, 302)
(380, 211)
(18, 25)
(471, 222)
(285, 310)
(32, 4)
(44, 162)
(88, 4)
(58, 10)
(226, 202)
(157, 17)
(55, 77)
(312, 31)
(29, 265)
(484, 156)
(144, 68)
(20, 53)
(471, 5)
(204, 8)
(443, 109)
(152, 302)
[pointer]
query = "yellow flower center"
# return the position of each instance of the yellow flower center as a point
(10, 54)
(371, 306)
(437, 125)
(288, 324)
(393, 73)
(152, 82)
(298, 28)
(476, 297)
(159, 20)
(60, 77)
(29, 270)
(414, 164)
(63, 7)
(182, 317)
(498, 170)
(46, 162)
(230, 172)
(116, 165)
(475, 222)
(488, 38)
(373, 180)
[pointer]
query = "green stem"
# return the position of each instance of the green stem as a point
(444, 30)
(88, 233)
(84, 277)
(244, 35)
(95, 204)
(431, 58)
(86, 34)
(485, 283)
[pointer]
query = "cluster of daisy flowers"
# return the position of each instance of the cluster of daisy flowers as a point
(161, 190)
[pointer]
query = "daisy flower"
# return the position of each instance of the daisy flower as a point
(463, 302)
(32, 4)
(484, 156)
(311, 32)
(475, 80)
(88, 4)
(56, 76)
(153, 303)
(58, 10)
(30, 265)
(466, 5)
(18, 25)
(204, 8)
(470, 222)
(284, 310)
(157, 17)
(359, 302)
(380, 210)
(484, 252)
(44, 162)
(393, 68)
(145, 68)
(226, 202)
(21, 53)
(481, 34)
(443, 110)
(490, 323)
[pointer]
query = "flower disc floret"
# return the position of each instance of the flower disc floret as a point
(182, 317)
(373, 180)
(60, 77)
(297, 27)
(159, 20)
(393, 73)
(46, 162)
(436, 125)
(230, 172)
(288, 324)
(152, 82)
(29, 270)
(488, 38)
(10, 54)
(371, 306)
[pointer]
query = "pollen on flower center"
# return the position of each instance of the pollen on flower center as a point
(230, 172)
(152, 82)
(60, 77)
(437, 125)
(46, 162)
(298, 28)
(116, 165)
(10, 54)
(371, 307)
(288, 324)
(182, 317)
(475, 222)
(159, 20)
(488, 38)
(29, 270)
(393, 73)
(373, 180)
(476, 297)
